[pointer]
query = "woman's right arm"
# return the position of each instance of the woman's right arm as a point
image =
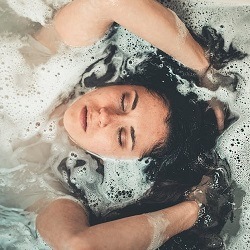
(63, 224)
(82, 22)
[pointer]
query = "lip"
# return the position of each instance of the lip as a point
(83, 118)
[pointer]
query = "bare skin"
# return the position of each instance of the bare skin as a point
(82, 22)
(111, 121)
(64, 225)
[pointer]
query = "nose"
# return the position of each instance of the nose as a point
(105, 117)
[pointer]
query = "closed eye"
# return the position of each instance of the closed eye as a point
(120, 137)
(122, 102)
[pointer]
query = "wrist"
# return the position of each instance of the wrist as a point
(184, 215)
(193, 209)
(204, 63)
(202, 71)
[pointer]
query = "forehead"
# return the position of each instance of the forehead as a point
(119, 88)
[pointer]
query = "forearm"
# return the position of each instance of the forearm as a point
(69, 230)
(147, 231)
(82, 22)
(161, 27)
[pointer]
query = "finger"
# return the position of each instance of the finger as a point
(220, 117)
(218, 108)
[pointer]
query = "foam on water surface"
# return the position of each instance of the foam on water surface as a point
(232, 21)
(115, 184)
(33, 145)
(27, 133)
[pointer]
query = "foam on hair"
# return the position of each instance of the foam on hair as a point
(234, 143)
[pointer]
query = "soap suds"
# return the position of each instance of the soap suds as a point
(159, 224)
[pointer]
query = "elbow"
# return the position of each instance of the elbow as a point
(103, 4)
(81, 243)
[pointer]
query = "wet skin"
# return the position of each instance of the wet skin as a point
(117, 121)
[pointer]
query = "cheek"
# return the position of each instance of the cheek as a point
(99, 139)
(67, 122)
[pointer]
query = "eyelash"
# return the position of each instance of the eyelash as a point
(122, 102)
(120, 137)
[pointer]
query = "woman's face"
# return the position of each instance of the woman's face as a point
(117, 121)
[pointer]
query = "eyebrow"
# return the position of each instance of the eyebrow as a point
(132, 130)
(132, 134)
(135, 100)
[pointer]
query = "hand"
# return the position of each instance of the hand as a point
(214, 193)
(212, 79)
(198, 193)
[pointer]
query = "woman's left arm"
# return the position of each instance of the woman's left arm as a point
(64, 225)
(82, 22)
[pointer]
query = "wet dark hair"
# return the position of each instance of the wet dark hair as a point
(188, 154)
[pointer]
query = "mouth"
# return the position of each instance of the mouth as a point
(83, 118)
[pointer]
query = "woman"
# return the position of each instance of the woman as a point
(129, 99)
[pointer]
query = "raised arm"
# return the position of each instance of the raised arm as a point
(64, 225)
(83, 21)
(161, 27)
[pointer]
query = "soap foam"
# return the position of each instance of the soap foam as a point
(159, 224)
(234, 143)
(119, 183)
(32, 143)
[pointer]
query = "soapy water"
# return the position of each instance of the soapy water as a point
(234, 143)
(105, 186)
(34, 146)
(28, 169)
(159, 223)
